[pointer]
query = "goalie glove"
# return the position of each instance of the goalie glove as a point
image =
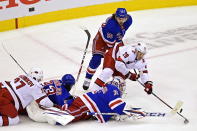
(120, 117)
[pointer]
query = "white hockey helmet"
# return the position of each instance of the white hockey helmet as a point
(141, 47)
(120, 83)
(36, 73)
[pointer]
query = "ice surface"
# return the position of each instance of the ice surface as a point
(58, 48)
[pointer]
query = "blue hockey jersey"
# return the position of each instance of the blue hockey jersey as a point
(107, 100)
(112, 32)
(57, 93)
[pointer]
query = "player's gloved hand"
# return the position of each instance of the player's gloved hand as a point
(132, 76)
(148, 87)
(120, 117)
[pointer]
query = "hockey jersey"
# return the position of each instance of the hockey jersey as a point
(106, 100)
(57, 93)
(112, 32)
(126, 60)
(24, 90)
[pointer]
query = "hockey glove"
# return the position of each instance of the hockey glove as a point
(148, 87)
(132, 76)
(120, 117)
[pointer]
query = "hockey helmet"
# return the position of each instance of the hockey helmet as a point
(121, 13)
(141, 47)
(36, 73)
(68, 79)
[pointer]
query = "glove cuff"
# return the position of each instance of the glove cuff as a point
(128, 75)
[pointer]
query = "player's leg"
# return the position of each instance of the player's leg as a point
(8, 112)
(79, 110)
(108, 70)
(8, 121)
(52, 115)
(98, 50)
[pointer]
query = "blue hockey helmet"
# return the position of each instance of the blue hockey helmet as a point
(121, 12)
(68, 79)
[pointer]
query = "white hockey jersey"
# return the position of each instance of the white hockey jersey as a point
(24, 89)
(125, 60)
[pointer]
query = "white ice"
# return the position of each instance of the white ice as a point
(58, 49)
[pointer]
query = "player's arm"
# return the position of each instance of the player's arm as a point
(116, 103)
(108, 35)
(41, 97)
(120, 65)
(143, 71)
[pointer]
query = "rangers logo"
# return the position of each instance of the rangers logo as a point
(109, 35)
(119, 36)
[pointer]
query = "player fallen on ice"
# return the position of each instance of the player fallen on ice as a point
(107, 100)
(58, 92)
(17, 94)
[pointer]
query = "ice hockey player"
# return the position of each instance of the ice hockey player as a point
(15, 95)
(111, 32)
(58, 90)
(100, 103)
(120, 60)
(107, 100)
(58, 93)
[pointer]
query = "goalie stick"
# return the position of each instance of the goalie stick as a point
(135, 111)
(186, 121)
(85, 51)
(147, 114)
(13, 58)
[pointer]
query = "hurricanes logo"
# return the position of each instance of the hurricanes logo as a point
(125, 55)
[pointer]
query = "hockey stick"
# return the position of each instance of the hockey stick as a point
(13, 58)
(147, 114)
(85, 51)
(135, 111)
(186, 121)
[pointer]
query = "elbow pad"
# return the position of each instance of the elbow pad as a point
(121, 67)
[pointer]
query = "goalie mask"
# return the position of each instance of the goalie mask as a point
(36, 74)
(120, 83)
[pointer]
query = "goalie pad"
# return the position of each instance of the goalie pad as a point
(50, 115)
(35, 113)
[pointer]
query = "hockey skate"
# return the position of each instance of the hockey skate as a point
(86, 84)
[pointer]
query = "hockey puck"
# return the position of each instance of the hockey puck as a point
(186, 121)
(181, 110)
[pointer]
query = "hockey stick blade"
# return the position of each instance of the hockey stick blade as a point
(177, 108)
